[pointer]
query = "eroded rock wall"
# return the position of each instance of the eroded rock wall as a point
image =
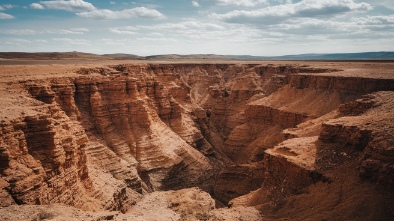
(349, 157)
(104, 139)
(44, 161)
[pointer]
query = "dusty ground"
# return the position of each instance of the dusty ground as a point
(187, 204)
(15, 69)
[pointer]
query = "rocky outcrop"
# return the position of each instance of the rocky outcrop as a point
(42, 93)
(186, 204)
(366, 137)
(238, 180)
(376, 161)
(290, 167)
(137, 118)
(114, 137)
(341, 84)
(266, 114)
(348, 148)
(44, 161)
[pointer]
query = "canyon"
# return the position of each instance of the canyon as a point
(196, 140)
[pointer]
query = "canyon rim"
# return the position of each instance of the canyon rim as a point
(196, 139)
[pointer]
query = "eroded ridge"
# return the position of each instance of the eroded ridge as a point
(267, 138)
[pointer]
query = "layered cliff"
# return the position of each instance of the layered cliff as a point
(43, 161)
(261, 135)
(349, 157)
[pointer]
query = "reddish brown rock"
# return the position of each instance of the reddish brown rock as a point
(47, 162)
(294, 140)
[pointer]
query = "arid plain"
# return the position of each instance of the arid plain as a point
(92, 138)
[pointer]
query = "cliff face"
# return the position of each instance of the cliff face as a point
(129, 130)
(138, 120)
(266, 134)
(367, 135)
(348, 157)
(341, 84)
(43, 159)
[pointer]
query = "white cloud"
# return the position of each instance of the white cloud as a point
(112, 3)
(20, 32)
(123, 32)
(41, 41)
(156, 34)
(2, 8)
(384, 3)
(192, 29)
(72, 31)
(16, 42)
(46, 31)
(127, 28)
(315, 27)
(199, 25)
(70, 5)
(188, 30)
(304, 8)
(69, 41)
(6, 16)
(36, 6)
(378, 24)
(139, 12)
(79, 29)
(374, 20)
(195, 4)
(113, 42)
(187, 33)
(8, 6)
(248, 3)
(258, 27)
(327, 7)
(301, 29)
(156, 39)
(186, 25)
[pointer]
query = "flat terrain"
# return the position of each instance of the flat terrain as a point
(25, 69)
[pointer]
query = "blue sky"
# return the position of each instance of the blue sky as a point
(236, 27)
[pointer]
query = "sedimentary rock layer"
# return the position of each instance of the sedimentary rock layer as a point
(248, 134)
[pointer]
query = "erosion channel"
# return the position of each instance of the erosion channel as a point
(198, 141)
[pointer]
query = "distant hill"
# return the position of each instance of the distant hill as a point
(186, 57)
(383, 55)
(335, 56)
(124, 56)
(48, 55)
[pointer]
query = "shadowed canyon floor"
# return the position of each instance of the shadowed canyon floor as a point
(203, 140)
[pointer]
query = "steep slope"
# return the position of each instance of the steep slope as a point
(275, 137)
(350, 159)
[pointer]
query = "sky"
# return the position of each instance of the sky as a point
(227, 27)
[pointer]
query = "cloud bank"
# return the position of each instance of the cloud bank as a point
(247, 3)
(70, 5)
(139, 12)
(36, 6)
(87, 10)
(304, 8)
(5, 16)
(71, 31)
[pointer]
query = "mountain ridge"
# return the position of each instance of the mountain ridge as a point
(124, 56)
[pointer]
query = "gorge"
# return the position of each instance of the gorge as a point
(203, 140)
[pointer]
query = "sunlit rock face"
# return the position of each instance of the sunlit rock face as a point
(264, 136)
